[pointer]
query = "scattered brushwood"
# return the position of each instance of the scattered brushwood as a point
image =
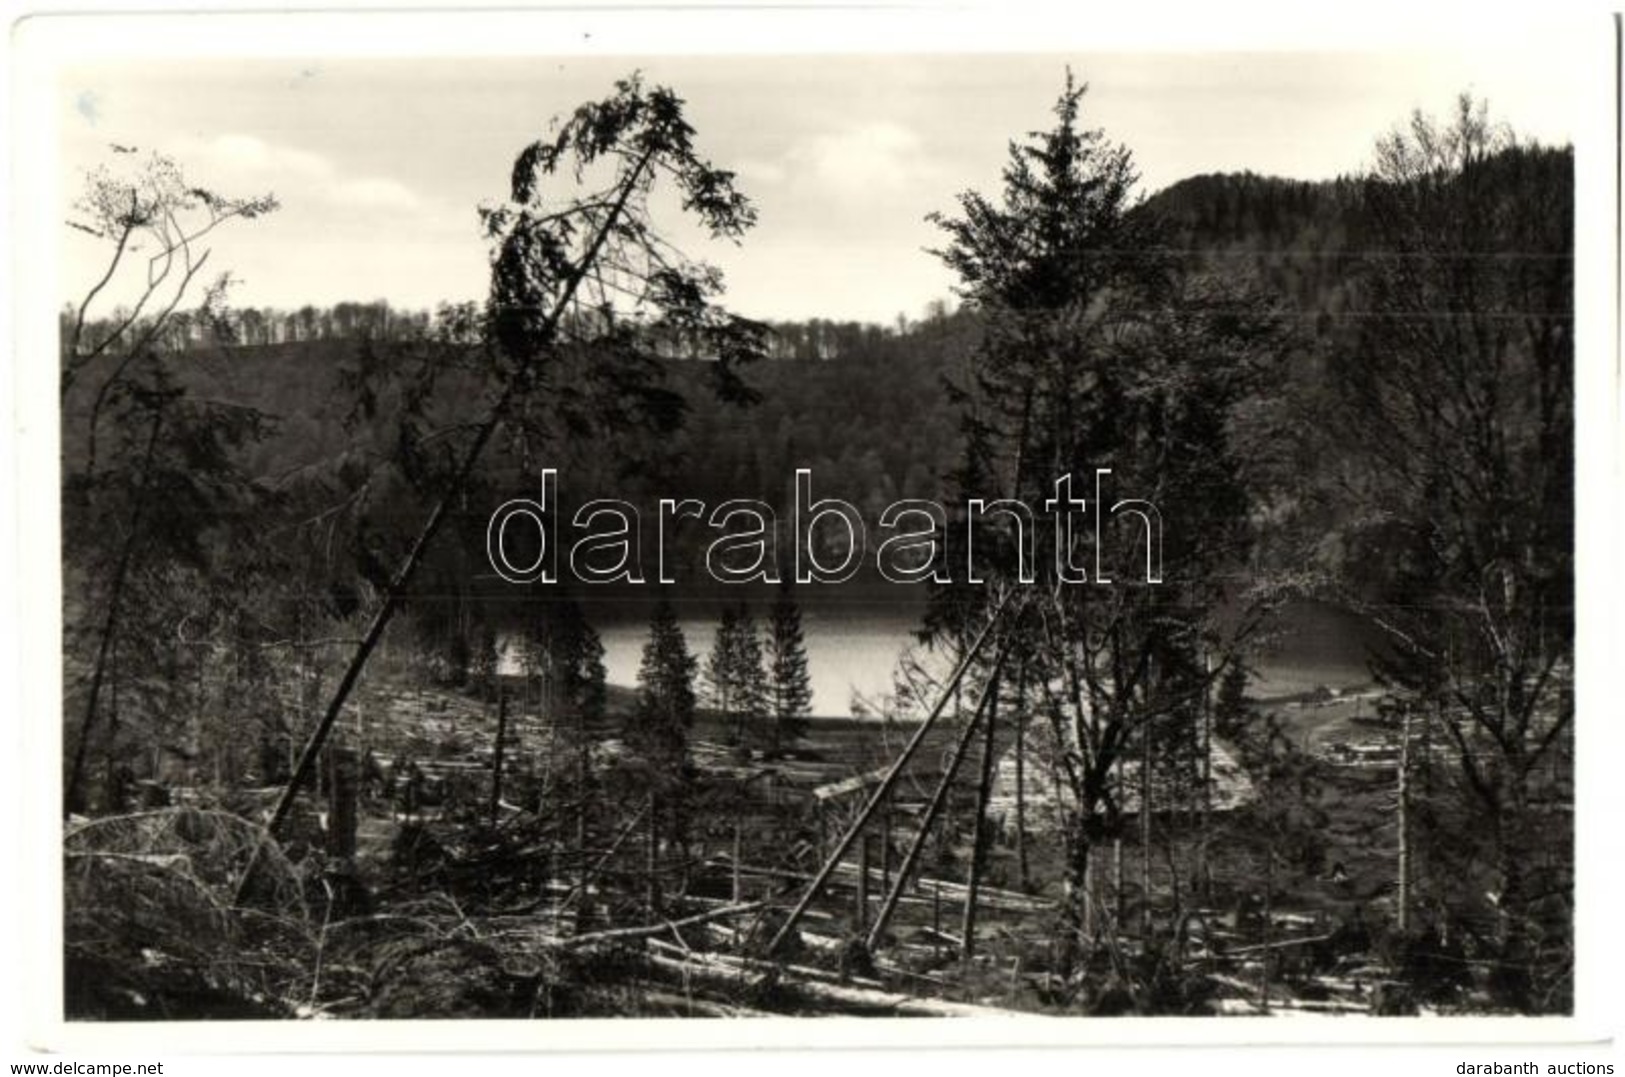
(416, 977)
(1437, 969)
(544, 908)
(507, 866)
(415, 853)
(672, 926)
(341, 978)
(336, 891)
(430, 959)
(96, 988)
(154, 926)
(855, 959)
(766, 928)
(1164, 987)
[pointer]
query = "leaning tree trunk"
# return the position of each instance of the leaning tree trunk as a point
(454, 490)
(74, 791)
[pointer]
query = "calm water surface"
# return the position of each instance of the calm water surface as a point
(853, 645)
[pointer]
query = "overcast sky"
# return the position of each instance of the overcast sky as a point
(381, 163)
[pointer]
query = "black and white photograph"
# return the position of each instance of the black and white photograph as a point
(1054, 528)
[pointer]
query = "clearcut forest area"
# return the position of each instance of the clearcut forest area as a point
(1293, 732)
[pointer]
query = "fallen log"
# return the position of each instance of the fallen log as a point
(747, 965)
(737, 975)
(1281, 945)
(1015, 897)
(644, 931)
(864, 998)
(851, 785)
(1316, 1006)
(931, 934)
(986, 897)
(1233, 983)
(699, 1007)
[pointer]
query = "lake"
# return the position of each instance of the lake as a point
(853, 641)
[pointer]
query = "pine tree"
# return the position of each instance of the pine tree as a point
(749, 676)
(573, 656)
(1097, 353)
(719, 680)
(1230, 710)
(736, 682)
(568, 656)
(586, 693)
(658, 733)
(789, 686)
(658, 737)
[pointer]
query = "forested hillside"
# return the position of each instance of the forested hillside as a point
(865, 407)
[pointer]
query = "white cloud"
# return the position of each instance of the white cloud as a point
(240, 163)
(759, 170)
(862, 159)
(245, 154)
(375, 193)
